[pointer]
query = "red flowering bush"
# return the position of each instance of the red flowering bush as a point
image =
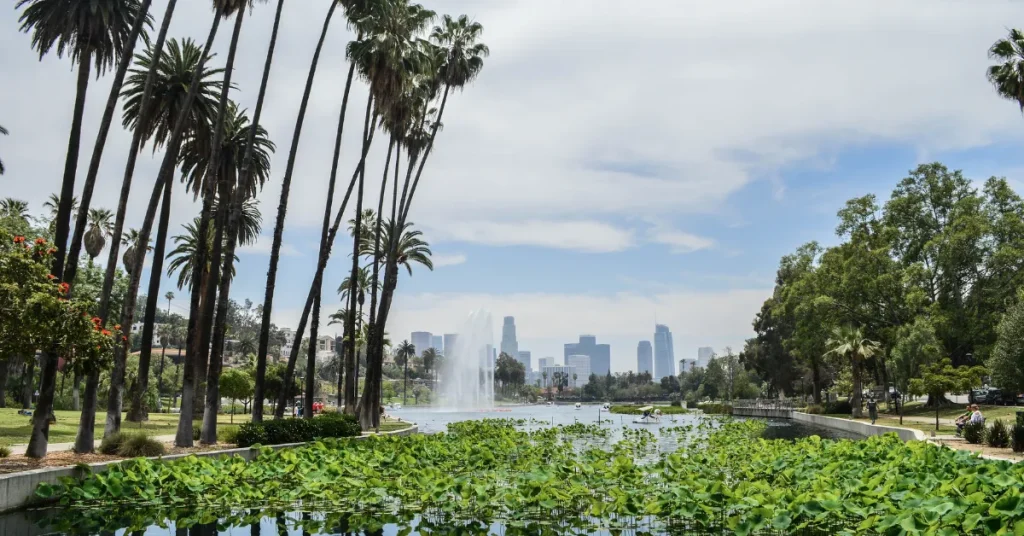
(37, 313)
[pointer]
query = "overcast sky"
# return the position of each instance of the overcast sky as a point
(615, 163)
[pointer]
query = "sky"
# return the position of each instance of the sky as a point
(611, 167)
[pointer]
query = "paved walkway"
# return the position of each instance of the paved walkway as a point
(64, 447)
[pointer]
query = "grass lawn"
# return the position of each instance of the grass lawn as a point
(391, 426)
(16, 429)
(1007, 413)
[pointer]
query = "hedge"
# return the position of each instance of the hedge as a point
(276, 432)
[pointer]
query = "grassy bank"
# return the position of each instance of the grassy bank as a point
(16, 429)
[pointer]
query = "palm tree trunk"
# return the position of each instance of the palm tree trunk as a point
(137, 411)
(282, 210)
(857, 388)
(216, 179)
(101, 138)
(376, 274)
(84, 442)
(41, 417)
(354, 280)
(314, 324)
(167, 167)
(405, 382)
(261, 358)
(160, 379)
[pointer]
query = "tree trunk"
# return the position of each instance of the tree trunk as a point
(857, 389)
(816, 380)
(160, 378)
(405, 382)
(5, 370)
(101, 138)
(314, 324)
(87, 420)
(138, 412)
(282, 209)
(216, 179)
(41, 417)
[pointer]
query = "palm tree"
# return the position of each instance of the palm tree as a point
(847, 342)
(184, 257)
(1007, 76)
(405, 353)
(5, 133)
(261, 358)
(131, 242)
(52, 205)
(282, 209)
(16, 208)
(91, 33)
(429, 360)
(100, 227)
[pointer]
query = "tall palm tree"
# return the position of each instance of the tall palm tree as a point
(5, 133)
(261, 358)
(282, 209)
(848, 343)
(90, 33)
(52, 206)
(404, 353)
(165, 339)
(1007, 75)
(185, 256)
(429, 360)
(101, 226)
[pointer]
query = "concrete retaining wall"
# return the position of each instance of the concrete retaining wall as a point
(765, 413)
(17, 490)
(857, 427)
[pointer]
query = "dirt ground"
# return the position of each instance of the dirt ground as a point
(984, 449)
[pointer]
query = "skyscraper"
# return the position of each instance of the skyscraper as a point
(545, 362)
(437, 343)
(600, 354)
(526, 359)
(704, 355)
(644, 358)
(509, 344)
(450, 340)
(664, 353)
(582, 365)
(421, 340)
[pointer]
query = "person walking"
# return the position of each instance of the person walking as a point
(873, 410)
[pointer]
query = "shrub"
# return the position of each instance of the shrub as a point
(281, 431)
(814, 409)
(998, 435)
(974, 433)
(1017, 438)
(139, 446)
(839, 407)
(715, 409)
(5, 452)
(111, 444)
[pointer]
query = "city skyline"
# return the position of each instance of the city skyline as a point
(664, 352)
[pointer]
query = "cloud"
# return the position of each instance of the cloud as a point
(263, 245)
(447, 260)
(680, 241)
(580, 235)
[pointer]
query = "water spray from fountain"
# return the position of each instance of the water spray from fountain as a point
(468, 381)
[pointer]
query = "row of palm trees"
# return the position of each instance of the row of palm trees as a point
(175, 102)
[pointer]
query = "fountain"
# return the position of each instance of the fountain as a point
(468, 381)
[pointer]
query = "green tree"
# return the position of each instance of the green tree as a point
(1007, 360)
(916, 346)
(848, 344)
(942, 377)
(1007, 75)
(429, 360)
(405, 352)
(100, 228)
(236, 385)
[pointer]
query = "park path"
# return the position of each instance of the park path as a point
(64, 447)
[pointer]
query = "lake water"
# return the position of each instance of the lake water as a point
(33, 523)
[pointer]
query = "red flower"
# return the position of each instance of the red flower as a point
(51, 251)
(51, 277)
(106, 333)
(117, 327)
(19, 239)
(40, 241)
(96, 320)
(63, 288)
(124, 338)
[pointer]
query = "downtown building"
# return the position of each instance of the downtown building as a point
(421, 340)
(664, 353)
(704, 355)
(600, 354)
(644, 358)
(449, 342)
(581, 363)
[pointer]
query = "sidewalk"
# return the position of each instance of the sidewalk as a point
(64, 447)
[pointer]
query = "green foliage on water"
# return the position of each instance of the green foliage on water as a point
(706, 476)
(635, 410)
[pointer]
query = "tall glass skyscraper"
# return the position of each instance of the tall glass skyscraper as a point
(644, 358)
(600, 354)
(664, 353)
(509, 344)
(422, 340)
